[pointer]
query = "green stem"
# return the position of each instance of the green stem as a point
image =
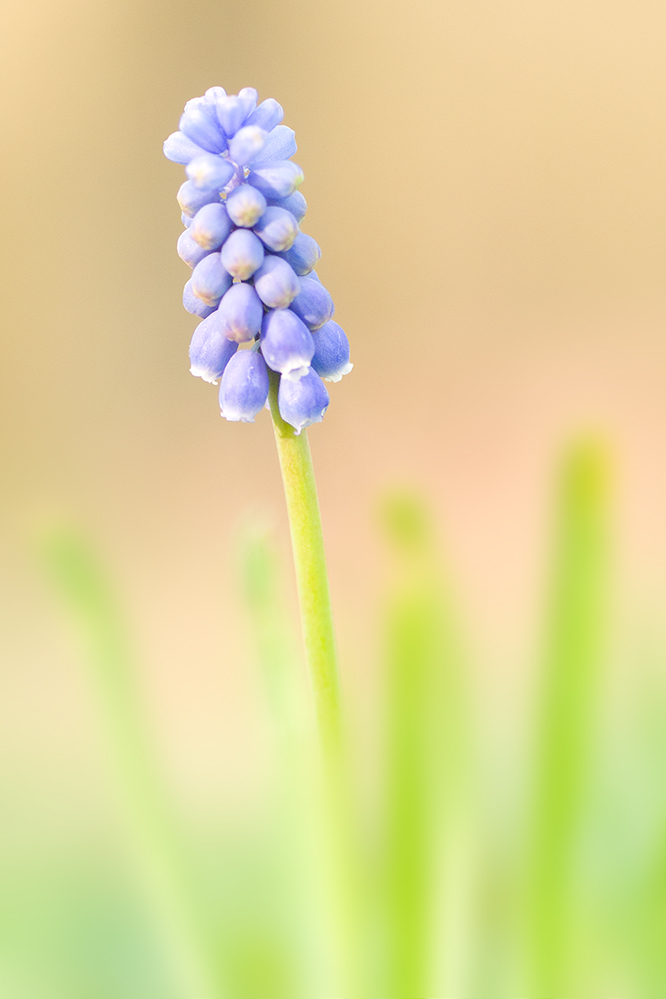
(311, 575)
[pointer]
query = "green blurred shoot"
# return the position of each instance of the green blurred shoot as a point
(566, 717)
(424, 766)
(281, 668)
(160, 861)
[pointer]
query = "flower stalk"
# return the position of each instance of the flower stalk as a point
(311, 575)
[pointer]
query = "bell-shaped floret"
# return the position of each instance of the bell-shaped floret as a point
(303, 254)
(280, 144)
(179, 149)
(294, 203)
(210, 349)
(186, 220)
(211, 226)
(209, 172)
(189, 251)
(277, 228)
(242, 254)
(331, 356)
(267, 115)
(191, 198)
(303, 402)
(240, 313)
(194, 304)
(210, 280)
(278, 179)
(275, 283)
(244, 387)
(198, 123)
(313, 304)
(245, 205)
(286, 343)
(246, 144)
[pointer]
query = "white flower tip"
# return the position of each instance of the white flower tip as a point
(204, 373)
(338, 374)
(296, 374)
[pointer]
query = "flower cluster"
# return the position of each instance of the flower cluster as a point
(253, 281)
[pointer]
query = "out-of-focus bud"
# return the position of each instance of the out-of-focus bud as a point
(277, 180)
(267, 115)
(209, 173)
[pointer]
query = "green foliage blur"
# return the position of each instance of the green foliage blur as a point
(470, 870)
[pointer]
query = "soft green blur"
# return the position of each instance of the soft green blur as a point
(247, 907)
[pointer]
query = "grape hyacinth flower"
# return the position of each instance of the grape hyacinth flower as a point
(266, 330)
(252, 281)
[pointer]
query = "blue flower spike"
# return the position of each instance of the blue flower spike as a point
(252, 281)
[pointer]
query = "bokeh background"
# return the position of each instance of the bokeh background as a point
(486, 183)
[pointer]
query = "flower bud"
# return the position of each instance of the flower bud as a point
(240, 313)
(246, 144)
(280, 144)
(331, 356)
(194, 304)
(210, 349)
(231, 113)
(294, 203)
(211, 226)
(189, 251)
(303, 254)
(242, 254)
(210, 280)
(244, 387)
(179, 149)
(191, 198)
(277, 228)
(313, 304)
(286, 343)
(209, 172)
(215, 94)
(278, 179)
(197, 123)
(267, 115)
(245, 205)
(248, 95)
(186, 220)
(303, 402)
(275, 283)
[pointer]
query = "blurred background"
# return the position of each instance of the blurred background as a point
(486, 183)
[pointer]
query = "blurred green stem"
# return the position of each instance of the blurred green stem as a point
(567, 714)
(159, 854)
(317, 622)
(311, 575)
